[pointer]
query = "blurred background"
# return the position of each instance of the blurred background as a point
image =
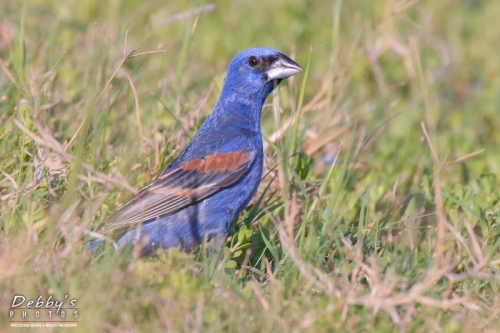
(386, 64)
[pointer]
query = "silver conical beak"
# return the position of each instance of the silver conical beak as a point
(282, 68)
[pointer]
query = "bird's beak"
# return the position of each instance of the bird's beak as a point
(282, 68)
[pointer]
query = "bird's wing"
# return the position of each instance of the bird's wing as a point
(180, 186)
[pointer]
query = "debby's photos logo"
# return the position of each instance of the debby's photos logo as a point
(43, 312)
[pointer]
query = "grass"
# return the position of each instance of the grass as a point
(379, 208)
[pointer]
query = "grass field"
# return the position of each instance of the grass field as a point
(379, 208)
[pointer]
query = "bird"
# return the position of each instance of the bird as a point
(198, 195)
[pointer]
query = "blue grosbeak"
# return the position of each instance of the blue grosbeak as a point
(199, 194)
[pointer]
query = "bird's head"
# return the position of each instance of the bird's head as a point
(255, 72)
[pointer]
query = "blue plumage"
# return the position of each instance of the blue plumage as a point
(198, 195)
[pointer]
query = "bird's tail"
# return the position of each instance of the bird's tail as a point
(94, 244)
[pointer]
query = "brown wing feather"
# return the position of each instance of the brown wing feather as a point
(192, 181)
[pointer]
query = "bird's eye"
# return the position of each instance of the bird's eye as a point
(253, 61)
